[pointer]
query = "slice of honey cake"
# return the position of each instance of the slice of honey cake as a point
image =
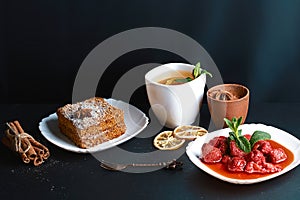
(91, 122)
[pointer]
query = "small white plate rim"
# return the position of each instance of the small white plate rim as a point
(53, 135)
(278, 135)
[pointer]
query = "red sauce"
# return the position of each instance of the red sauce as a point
(221, 168)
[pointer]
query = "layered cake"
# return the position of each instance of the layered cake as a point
(91, 122)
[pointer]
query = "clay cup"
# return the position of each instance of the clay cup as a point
(227, 101)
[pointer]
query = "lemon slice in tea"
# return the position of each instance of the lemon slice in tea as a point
(166, 141)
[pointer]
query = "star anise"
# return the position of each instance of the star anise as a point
(82, 113)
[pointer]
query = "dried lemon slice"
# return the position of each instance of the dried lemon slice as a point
(166, 141)
(189, 132)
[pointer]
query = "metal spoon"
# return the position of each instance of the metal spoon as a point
(118, 166)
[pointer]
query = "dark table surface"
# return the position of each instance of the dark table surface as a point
(68, 175)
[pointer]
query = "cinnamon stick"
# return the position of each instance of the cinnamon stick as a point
(44, 151)
(41, 148)
(18, 126)
(8, 142)
(38, 160)
(24, 158)
(24, 144)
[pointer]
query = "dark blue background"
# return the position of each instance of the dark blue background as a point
(43, 43)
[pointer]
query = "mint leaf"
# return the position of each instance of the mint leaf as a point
(189, 79)
(198, 71)
(183, 80)
(259, 135)
(243, 144)
(236, 134)
(231, 136)
(233, 124)
(203, 71)
(239, 121)
(229, 124)
(239, 133)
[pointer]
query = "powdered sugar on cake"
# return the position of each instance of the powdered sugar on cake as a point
(86, 114)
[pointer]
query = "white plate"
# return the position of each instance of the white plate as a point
(193, 150)
(135, 121)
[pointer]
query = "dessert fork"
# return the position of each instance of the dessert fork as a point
(118, 166)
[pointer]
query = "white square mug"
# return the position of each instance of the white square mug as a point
(174, 105)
